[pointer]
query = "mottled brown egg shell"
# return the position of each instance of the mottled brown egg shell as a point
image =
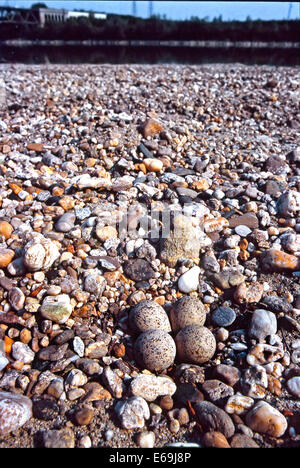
(187, 311)
(195, 344)
(155, 350)
(148, 315)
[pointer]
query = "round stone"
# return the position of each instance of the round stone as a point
(148, 315)
(22, 352)
(195, 344)
(6, 256)
(187, 311)
(189, 281)
(6, 229)
(65, 222)
(293, 386)
(155, 350)
(56, 308)
(266, 419)
(146, 439)
(223, 316)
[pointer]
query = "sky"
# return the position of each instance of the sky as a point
(177, 10)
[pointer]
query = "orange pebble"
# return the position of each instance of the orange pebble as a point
(8, 342)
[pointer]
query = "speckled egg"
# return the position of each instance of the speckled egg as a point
(195, 344)
(187, 311)
(155, 350)
(148, 315)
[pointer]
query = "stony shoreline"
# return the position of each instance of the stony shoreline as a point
(111, 334)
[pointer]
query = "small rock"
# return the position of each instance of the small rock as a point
(266, 419)
(65, 222)
(22, 352)
(146, 439)
(138, 270)
(15, 411)
(6, 256)
(243, 441)
(223, 316)
(217, 391)
(238, 404)
(263, 323)
(57, 308)
(40, 253)
(248, 292)
(95, 284)
(189, 281)
(293, 386)
(6, 229)
(151, 127)
(16, 298)
(274, 260)
(242, 230)
(228, 374)
(63, 438)
(83, 416)
(132, 412)
(215, 439)
(153, 165)
(212, 418)
(288, 204)
(254, 382)
(151, 387)
(227, 279)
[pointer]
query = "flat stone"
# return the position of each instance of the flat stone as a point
(223, 316)
(248, 219)
(57, 308)
(62, 438)
(151, 387)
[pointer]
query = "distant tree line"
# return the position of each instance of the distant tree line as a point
(117, 27)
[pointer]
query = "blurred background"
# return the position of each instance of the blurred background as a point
(149, 32)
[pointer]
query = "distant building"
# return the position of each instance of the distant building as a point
(51, 15)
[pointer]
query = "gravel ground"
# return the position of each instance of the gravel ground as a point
(149, 256)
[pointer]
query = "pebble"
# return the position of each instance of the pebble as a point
(227, 279)
(15, 411)
(254, 382)
(238, 404)
(213, 418)
(153, 165)
(22, 352)
(132, 412)
(57, 308)
(288, 204)
(215, 439)
(228, 374)
(147, 315)
(183, 242)
(243, 441)
(65, 222)
(40, 253)
(16, 298)
(151, 387)
(248, 292)
(189, 281)
(138, 270)
(293, 386)
(6, 256)
(60, 438)
(187, 311)
(263, 324)
(83, 416)
(6, 229)
(217, 391)
(146, 439)
(242, 230)
(274, 260)
(266, 419)
(155, 350)
(223, 316)
(195, 344)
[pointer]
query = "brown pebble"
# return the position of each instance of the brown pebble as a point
(6, 229)
(6, 256)
(166, 402)
(83, 416)
(215, 440)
